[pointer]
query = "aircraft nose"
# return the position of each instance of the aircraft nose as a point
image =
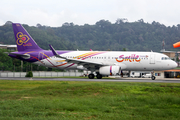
(174, 64)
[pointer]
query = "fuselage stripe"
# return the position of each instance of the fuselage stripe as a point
(87, 54)
(110, 70)
(70, 65)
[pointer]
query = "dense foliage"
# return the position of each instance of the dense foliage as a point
(138, 36)
(6, 63)
(29, 74)
(104, 35)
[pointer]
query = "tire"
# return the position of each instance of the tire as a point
(99, 76)
(153, 77)
(91, 76)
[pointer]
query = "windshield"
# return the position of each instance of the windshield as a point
(165, 58)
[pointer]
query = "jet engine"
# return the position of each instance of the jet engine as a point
(110, 70)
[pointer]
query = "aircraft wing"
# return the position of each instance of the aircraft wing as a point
(86, 64)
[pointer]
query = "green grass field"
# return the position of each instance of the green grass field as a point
(60, 100)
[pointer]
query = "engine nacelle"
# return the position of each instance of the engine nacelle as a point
(109, 70)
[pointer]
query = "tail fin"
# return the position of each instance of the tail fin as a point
(23, 40)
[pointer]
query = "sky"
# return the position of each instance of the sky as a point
(56, 12)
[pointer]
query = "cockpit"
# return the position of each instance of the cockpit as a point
(165, 58)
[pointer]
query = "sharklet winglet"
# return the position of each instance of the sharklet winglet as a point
(55, 53)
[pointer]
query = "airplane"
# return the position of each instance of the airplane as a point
(100, 62)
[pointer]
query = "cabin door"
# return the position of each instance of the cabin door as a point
(41, 57)
(152, 59)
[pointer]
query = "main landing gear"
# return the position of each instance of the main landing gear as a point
(98, 76)
(91, 76)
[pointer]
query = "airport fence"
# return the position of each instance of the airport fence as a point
(41, 74)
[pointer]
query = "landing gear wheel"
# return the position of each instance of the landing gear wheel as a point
(98, 76)
(91, 76)
(153, 77)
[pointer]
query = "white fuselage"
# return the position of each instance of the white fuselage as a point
(136, 61)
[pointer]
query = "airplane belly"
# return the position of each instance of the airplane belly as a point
(142, 66)
(152, 67)
(137, 66)
(134, 66)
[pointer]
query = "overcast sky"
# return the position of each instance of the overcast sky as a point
(56, 12)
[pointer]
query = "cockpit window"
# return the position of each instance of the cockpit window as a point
(165, 58)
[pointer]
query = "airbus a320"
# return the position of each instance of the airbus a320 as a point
(101, 62)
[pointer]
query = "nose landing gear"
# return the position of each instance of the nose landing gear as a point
(153, 77)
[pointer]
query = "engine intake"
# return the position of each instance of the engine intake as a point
(109, 70)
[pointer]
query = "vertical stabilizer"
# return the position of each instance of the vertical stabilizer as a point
(23, 40)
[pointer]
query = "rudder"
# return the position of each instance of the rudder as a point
(23, 40)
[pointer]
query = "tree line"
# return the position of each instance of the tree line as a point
(103, 35)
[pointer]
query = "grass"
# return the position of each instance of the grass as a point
(177, 68)
(54, 100)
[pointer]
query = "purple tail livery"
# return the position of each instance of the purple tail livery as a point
(23, 40)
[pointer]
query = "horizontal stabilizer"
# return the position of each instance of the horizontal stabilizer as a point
(20, 55)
